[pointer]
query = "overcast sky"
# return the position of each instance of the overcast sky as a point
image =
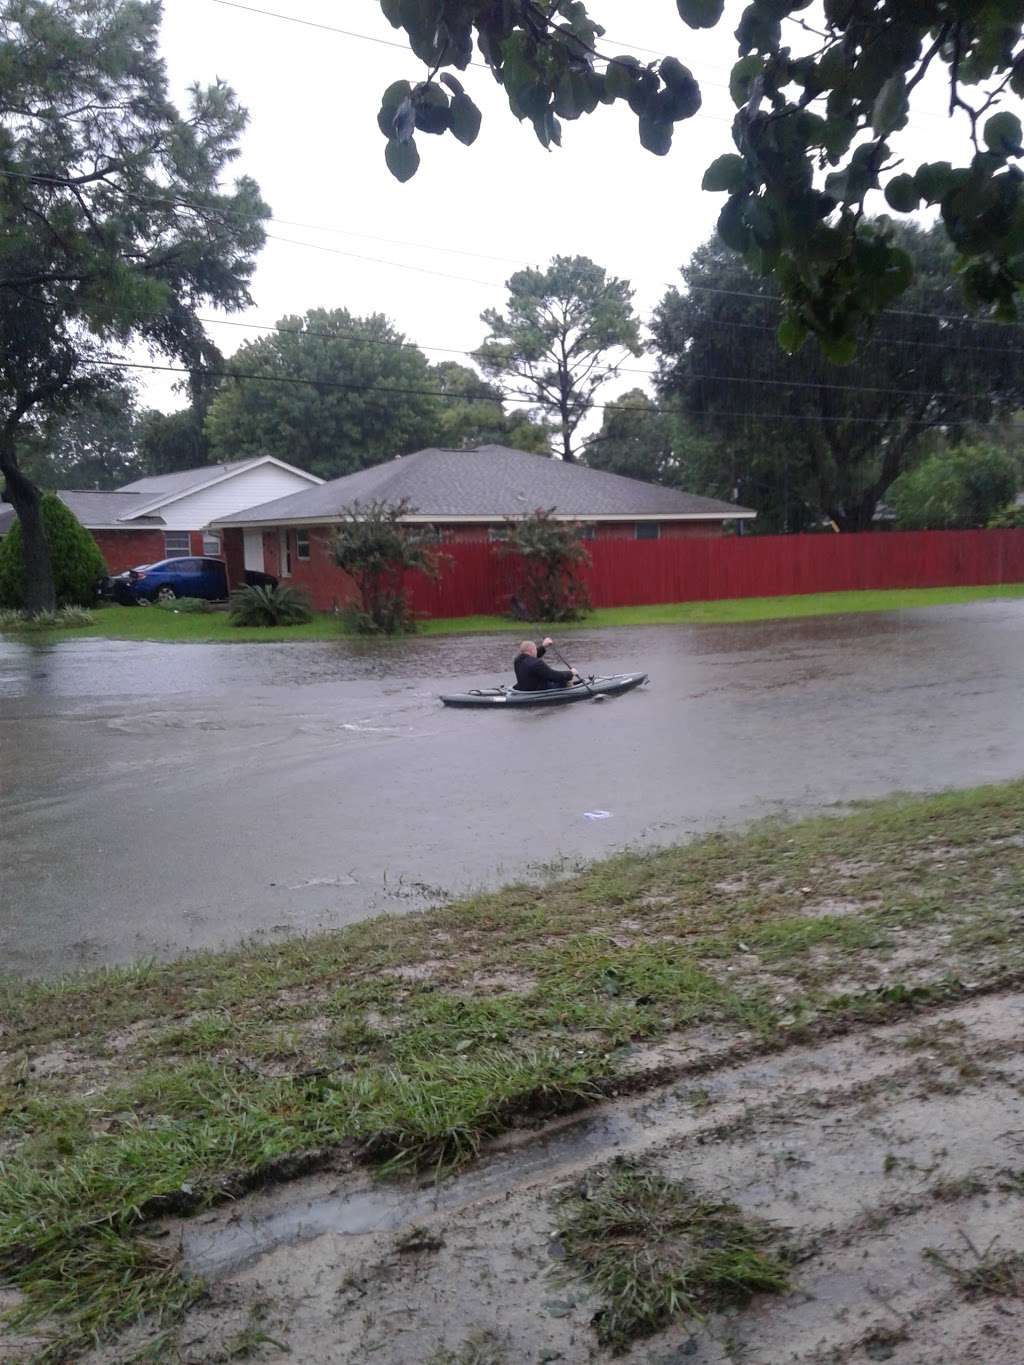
(477, 213)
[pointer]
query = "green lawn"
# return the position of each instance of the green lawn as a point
(130, 1093)
(151, 623)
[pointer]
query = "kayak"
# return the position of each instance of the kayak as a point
(612, 686)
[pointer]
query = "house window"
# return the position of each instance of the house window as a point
(586, 532)
(284, 553)
(177, 543)
(211, 545)
(497, 535)
(302, 544)
(647, 530)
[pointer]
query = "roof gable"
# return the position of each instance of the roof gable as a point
(160, 489)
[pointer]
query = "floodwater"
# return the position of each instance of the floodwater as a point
(155, 798)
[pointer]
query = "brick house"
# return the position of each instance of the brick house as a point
(167, 514)
(465, 496)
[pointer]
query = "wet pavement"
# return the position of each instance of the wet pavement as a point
(155, 798)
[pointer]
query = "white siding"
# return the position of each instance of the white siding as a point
(247, 489)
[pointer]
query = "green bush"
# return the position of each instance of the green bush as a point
(375, 546)
(66, 618)
(957, 489)
(74, 556)
(189, 605)
(1008, 518)
(550, 558)
(269, 606)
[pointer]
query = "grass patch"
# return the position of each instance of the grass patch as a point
(127, 1093)
(479, 1349)
(188, 625)
(983, 1274)
(656, 1253)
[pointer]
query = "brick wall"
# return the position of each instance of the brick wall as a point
(125, 549)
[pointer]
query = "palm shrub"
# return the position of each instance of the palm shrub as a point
(551, 556)
(269, 606)
(64, 618)
(75, 559)
(375, 546)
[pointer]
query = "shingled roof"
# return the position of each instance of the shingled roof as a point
(182, 480)
(489, 484)
(96, 510)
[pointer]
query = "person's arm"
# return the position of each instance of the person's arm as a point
(549, 674)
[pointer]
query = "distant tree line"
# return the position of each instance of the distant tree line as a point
(919, 430)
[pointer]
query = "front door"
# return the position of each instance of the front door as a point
(253, 550)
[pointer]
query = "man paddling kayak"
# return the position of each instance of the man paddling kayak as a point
(533, 674)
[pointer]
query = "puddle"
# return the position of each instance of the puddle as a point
(225, 1242)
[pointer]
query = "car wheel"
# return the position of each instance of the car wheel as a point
(165, 594)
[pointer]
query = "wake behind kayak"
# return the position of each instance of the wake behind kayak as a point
(592, 688)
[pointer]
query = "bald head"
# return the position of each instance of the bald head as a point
(528, 647)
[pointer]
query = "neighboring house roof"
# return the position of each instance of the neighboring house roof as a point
(99, 511)
(159, 489)
(490, 483)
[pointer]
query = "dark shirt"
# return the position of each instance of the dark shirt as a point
(534, 675)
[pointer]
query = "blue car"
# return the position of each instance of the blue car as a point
(170, 578)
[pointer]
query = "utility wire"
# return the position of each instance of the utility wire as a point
(391, 42)
(619, 369)
(396, 391)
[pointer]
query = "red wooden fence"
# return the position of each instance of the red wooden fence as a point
(478, 581)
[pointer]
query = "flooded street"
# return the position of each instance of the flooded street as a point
(155, 798)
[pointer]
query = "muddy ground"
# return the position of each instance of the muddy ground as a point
(159, 798)
(888, 1166)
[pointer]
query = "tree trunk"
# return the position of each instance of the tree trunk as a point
(858, 515)
(26, 498)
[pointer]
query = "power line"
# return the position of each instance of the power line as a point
(404, 47)
(620, 369)
(466, 279)
(324, 28)
(404, 392)
(377, 260)
(398, 241)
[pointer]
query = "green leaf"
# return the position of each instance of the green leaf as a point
(675, 75)
(761, 222)
(403, 159)
(758, 30)
(727, 172)
(395, 94)
(700, 13)
(742, 77)
(732, 227)
(465, 119)
(902, 194)
(432, 109)
(892, 103)
(792, 333)
(655, 135)
(933, 179)
(621, 76)
(1003, 134)
(841, 350)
